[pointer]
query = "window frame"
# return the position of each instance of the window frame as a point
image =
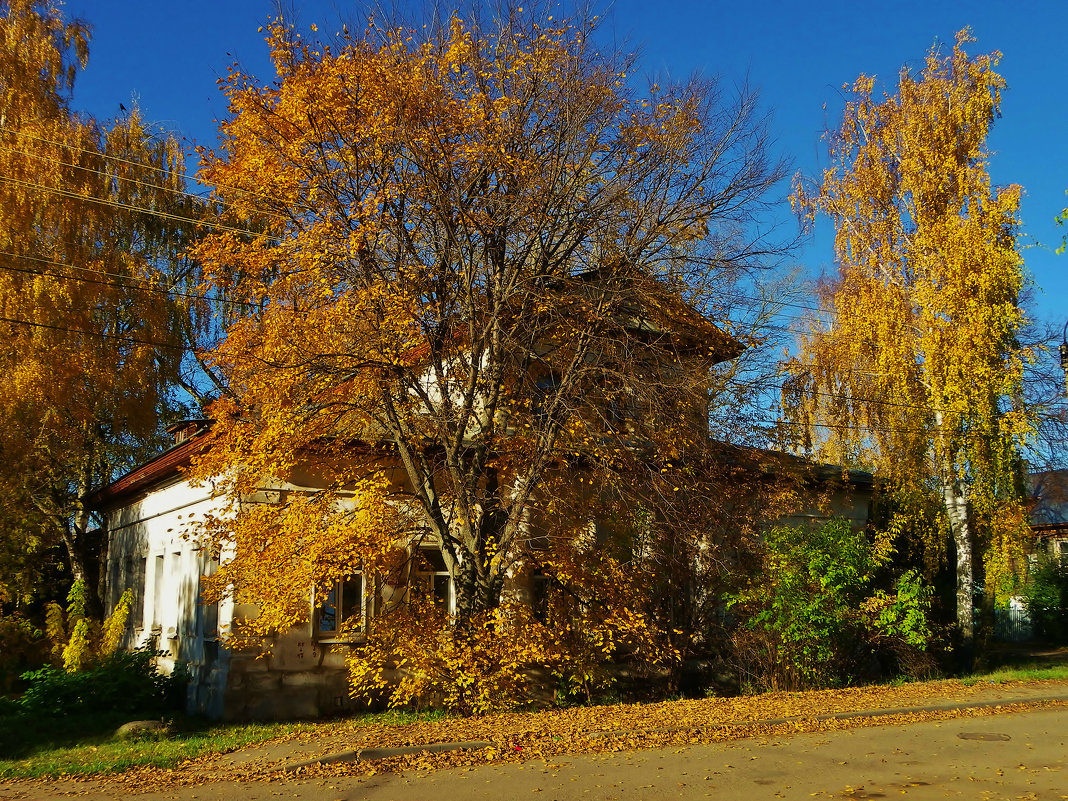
(342, 589)
(447, 600)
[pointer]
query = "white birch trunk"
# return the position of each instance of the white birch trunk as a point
(955, 501)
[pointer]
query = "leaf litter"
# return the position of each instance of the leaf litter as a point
(517, 737)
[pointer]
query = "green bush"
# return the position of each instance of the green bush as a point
(1046, 596)
(126, 682)
(812, 616)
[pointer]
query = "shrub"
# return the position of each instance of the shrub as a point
(126, 682)
(1046, 596)
(78, 641)
(811, 618)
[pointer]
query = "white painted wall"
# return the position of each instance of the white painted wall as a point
(153, 550)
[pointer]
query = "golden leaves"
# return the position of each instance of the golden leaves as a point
(920, 369)
(91, 215)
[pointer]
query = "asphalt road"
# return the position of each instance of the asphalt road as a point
(1009, 756)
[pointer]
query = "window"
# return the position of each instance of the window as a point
(1062, 550)
(435, 577)
(540, 585)
(134, 577)
(157, 592)
(208, 612)
(544, 389)
(342, 611)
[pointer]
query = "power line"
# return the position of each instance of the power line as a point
(197, 296)
(137, 182)
(727, 293)
(129, 207)
(117, 285)
(97, 334)
(186, 178)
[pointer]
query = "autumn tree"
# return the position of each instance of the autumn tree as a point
(92, 217)
(914, 366)
(490, 267)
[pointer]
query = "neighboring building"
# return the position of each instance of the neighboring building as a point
(152, 513)
(1049, 514)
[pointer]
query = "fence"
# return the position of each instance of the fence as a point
(1012, 625)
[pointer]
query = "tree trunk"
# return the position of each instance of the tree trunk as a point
(955, 501)
(80, 552)
(476, 591)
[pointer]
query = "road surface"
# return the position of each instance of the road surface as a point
(1008, 756)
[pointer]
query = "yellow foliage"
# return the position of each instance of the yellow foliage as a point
(915, 368)
(55, 629)
(79, 650)
(481, 266)
(79, 642)
(115, 625)
(92, 335)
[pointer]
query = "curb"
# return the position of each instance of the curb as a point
(864, 713)
(370, 754)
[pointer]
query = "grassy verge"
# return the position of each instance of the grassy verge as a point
(1036, 672)
(71, 746)
(1008, 664)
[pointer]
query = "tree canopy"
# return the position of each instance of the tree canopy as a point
(915, 367)
(489, 266)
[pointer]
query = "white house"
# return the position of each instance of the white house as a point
(151, 515)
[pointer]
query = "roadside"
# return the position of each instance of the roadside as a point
(519, 738)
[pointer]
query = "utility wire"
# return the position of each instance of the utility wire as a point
(116, 284)
(129, 207)
(200, 296)
(186, 178)
(165, 215)
(766, 421)
(97, 334)
(135, 181)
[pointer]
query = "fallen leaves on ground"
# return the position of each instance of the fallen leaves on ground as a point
(522, 736)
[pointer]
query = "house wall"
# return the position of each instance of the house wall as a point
(842, 503)
(153, 550)
(150, 552)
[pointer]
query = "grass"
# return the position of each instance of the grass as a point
(70, 746)
(1024, 665)
(84, 747)
(1036, 672)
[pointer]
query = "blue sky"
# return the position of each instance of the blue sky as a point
(168, 57)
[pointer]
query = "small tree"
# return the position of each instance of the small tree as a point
(78, 641)
(812, 615)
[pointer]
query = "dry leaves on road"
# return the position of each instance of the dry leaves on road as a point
(517, 737)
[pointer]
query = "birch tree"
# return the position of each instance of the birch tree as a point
(914, 366)
(90, 227)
